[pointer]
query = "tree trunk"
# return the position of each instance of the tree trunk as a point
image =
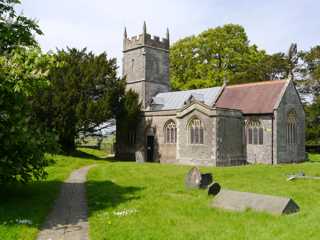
(67, 144)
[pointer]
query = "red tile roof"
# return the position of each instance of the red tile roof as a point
(252, 98)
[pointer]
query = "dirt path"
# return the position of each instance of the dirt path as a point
(68, 219)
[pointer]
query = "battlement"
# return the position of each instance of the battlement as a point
(145, 39)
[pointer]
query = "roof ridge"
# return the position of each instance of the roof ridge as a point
(257, 83)
(197, 89)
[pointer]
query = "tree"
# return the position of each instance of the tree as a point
(224, 53)
(15, 30)
(214, 55)
(292, 59)
(22, 141)
(84, 92)
(310, 71)
(23, 71)
(309, 85)
(313, 122)
(275, 66)
(127, 118)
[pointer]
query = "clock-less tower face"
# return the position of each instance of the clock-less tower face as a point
(146, 66)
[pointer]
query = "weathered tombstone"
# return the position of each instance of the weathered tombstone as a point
(241, 201)
(206, 180)
(193, 178)
(214, 189)
(139, 157)
(295, 175)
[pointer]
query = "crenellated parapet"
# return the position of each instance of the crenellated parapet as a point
(145, 39)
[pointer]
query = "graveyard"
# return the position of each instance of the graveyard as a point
(209, 129)
(128, 200)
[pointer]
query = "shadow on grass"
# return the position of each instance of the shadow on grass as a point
(35, 201)
(106, 194)
(312, 161)
(30, 201)
(81, 154)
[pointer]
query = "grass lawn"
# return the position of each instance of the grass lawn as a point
(33, 201)
(149, 201)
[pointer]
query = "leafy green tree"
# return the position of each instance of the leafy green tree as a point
(309, 85)
(313, 122)
(15, 30)
(22, 141)
(23, 71)
(275, 66)
(127, 118)
(223, 53)
(84, 92)
(214, 55)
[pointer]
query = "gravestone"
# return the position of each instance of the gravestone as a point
(139, 157)
(241, 201)
(206, 180)
(193, 178)
(214, 189)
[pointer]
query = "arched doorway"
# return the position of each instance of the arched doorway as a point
(150, 144)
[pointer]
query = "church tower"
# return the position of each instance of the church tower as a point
(146, 64)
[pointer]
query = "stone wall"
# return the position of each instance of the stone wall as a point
(146, 40)
(261, 153)
(133, 63)
(134, 69)
(283, 152)
(196, 154)
(153, 123)
(223, 137)
(230, 146)
(146, 66)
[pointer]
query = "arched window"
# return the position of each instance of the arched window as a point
(254, 131)
(170, 132)
(292, 128)
(195, 129)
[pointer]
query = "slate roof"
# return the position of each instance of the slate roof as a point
(176, 100)
(252, 98)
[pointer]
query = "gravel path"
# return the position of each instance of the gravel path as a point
(68, 219)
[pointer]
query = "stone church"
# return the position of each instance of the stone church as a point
(261, 122)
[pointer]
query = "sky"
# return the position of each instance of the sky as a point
(99, 24)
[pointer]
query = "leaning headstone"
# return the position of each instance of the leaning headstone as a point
(193, 178)
(241, 201)
(139, 157)
(214, 189)
(206, 180)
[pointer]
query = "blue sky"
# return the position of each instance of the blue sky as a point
(98, 24)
